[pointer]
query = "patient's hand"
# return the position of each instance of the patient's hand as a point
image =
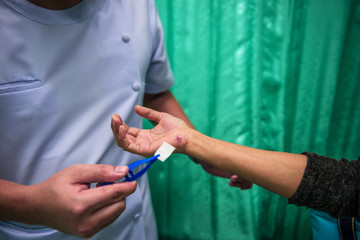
(168, 129)
(146, 141)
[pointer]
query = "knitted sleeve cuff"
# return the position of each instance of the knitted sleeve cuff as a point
(329, 185)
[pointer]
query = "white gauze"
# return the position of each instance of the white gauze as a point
(165, 150)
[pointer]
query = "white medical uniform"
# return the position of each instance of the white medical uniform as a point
(63, 74)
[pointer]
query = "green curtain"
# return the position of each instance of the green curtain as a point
(279, 75)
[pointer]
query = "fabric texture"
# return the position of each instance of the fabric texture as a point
(63, 74)
(277, 75)
(330, 186)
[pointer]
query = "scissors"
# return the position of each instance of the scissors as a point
(131, 175)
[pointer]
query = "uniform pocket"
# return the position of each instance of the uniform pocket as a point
(20, 85)
(20, 97)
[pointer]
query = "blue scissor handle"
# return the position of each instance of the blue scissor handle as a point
(133, 165)
(131, 176)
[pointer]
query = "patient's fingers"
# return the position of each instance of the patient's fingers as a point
(120, 129)
(116, 122)
(148, 113)
(122, 132)
(133, 131)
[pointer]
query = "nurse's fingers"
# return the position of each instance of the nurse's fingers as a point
(100, 219)
(103, 196)
(90, 173)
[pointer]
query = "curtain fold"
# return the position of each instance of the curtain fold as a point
(278, 75)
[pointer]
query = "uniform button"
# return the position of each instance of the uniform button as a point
(136, 86)
(137, 216)
(125, 38)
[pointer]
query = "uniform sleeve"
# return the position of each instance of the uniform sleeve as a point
(159, 76)
(330, 186)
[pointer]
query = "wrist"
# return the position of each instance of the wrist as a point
(199, 146)
(189, 138)
(16, 204)
(195, 160)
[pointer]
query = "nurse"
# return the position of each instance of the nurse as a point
(65, 68)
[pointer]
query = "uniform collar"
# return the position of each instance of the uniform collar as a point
(54, 17)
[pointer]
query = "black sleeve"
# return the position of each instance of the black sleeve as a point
(330, 186)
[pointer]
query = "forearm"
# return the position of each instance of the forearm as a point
(14, 202)
(278, 172)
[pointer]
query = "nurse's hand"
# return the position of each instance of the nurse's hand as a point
(66, 203)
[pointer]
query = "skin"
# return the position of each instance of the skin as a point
(65, 202)
(166, 102)
(54, 4)
(278, 172)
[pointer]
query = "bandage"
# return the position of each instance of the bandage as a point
(165, 150)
